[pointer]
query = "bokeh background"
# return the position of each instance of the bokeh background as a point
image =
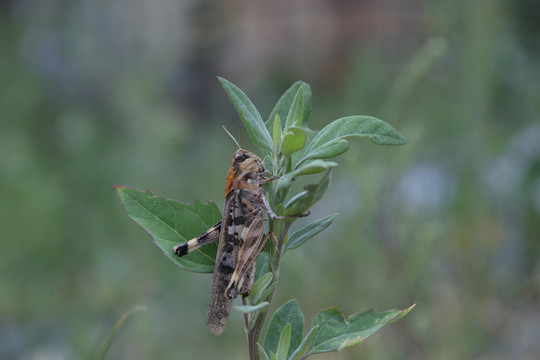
(96, 93)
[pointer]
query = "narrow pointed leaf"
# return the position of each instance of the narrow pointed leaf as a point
(285, 102)
(267, 291)
(327, 150)
(284, 343)
(297, 354)
(246, 309)
(314, 167)
(309, 231)
(259, 288)
(261, 349)
(170, 222)
(296, 198)
(249, 114)
(309, 168)
(376, 130)
(336, 333)
(261, 267)
(288, 313)
(296, 112)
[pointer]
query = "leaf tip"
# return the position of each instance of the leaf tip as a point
(118, 188)
(402, 140)
(224, 82)
(407, 310)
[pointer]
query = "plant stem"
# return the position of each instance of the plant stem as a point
(254, 333)
(252, 346)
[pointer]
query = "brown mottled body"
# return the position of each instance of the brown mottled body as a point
(240, 235)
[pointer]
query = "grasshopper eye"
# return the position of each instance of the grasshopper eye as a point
(241, 158)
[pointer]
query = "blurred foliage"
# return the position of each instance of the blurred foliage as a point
(114, 92)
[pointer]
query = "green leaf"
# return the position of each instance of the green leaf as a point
(284, 343)
(327, 150)
(296, 112)
(314, 194)
(309, 231)
(297, 354)
(170, 222)
(259, 288)
(268, 163)
(246, 309)
(336, 333)
(267, 291)
(249, 114)
(293, 141)
(285, 102)
(313, 167)
(288, 313)
(310, 135)
(261, 349)
(261, 267)
(377, 130)
(309, 168)
(295, 199)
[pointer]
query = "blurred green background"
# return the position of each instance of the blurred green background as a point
(96, 93)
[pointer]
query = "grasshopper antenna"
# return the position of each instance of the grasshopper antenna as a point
(232, 137)
(240, 135)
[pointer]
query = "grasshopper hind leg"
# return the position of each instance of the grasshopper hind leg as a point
(208, 237)
(244, 275)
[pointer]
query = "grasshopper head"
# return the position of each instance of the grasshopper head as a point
(245, 172)
(245, 162)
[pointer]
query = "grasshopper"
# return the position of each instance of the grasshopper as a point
(240, 234)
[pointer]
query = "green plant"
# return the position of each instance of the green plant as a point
(293, 150)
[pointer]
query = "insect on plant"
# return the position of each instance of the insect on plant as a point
(240, 234)
(257, 191)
